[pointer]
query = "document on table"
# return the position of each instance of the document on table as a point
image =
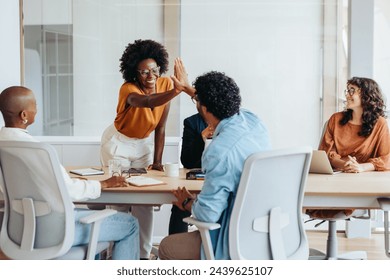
(87, 171)
(142, 181)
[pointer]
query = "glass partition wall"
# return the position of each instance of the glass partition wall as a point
(286, 56)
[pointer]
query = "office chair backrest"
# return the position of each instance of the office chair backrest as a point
(266, 221)
(322, 133)
(38, 218)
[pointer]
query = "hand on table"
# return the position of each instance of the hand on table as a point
(352, 166)
(182, 194)
(114, 182)
(156, 166)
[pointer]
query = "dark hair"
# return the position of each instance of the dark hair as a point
(218, 93)
(141, 50)
(372, 103)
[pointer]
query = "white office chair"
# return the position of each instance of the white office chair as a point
(266, 220)
(332, 243)
(38, 214)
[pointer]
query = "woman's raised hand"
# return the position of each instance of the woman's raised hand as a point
(180, 78)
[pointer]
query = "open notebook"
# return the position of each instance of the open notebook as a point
(142, 181)
(320, 163)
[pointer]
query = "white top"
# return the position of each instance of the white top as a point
(79, 190)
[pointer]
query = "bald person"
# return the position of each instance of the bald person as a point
(18, 107)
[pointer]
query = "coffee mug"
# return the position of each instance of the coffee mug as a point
(171, 169)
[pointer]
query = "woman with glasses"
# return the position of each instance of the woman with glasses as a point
(357, 139)
(143, 107)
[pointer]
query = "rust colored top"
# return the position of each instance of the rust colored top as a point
(339, 141)
(139, 122)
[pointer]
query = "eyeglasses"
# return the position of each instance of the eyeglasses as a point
(194, 99)
(127, 173)
(350, 91)
(123, 173)
(146, 72)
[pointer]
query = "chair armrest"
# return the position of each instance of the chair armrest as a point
(201, 225)
(95, 219)
(98, 215)
(361, 214)
(204, 230)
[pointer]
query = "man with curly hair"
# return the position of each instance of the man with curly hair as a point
(143, 107)
(237, 133)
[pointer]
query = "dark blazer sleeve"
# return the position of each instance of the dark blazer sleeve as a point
(192, 144)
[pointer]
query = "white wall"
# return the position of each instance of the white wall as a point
(361, 34)
(275, 60)
(382, 46)
(10, 45)
(47, 12)
(85, 150)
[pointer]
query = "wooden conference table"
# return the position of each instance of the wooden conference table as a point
(150, 195)
(341, 190)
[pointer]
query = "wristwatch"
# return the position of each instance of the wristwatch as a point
(185, 202)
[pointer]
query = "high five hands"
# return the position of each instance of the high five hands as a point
(180, 78)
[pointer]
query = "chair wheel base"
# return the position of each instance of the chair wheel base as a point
(315, 254)
(354, 255)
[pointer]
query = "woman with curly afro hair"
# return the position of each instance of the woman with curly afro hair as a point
(357, 139)
(143, 107)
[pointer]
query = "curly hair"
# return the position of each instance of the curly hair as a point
(372, 102)
(138, 51)
(218, 93)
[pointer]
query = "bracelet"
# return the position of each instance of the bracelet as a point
(185, 202)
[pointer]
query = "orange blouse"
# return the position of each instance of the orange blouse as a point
(342, 140)
(139, 122)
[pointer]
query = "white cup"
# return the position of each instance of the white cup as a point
(114, 167)
(171, 169)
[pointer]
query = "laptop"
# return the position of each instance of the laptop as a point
(320, 163)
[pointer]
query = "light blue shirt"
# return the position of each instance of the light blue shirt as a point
(235, 139)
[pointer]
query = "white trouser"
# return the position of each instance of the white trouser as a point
(132, 152)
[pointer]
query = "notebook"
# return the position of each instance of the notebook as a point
(320, 163)
(87, 171)
(142, 181)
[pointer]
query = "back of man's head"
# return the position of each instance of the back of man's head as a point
(218, 93)
(14, 100)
